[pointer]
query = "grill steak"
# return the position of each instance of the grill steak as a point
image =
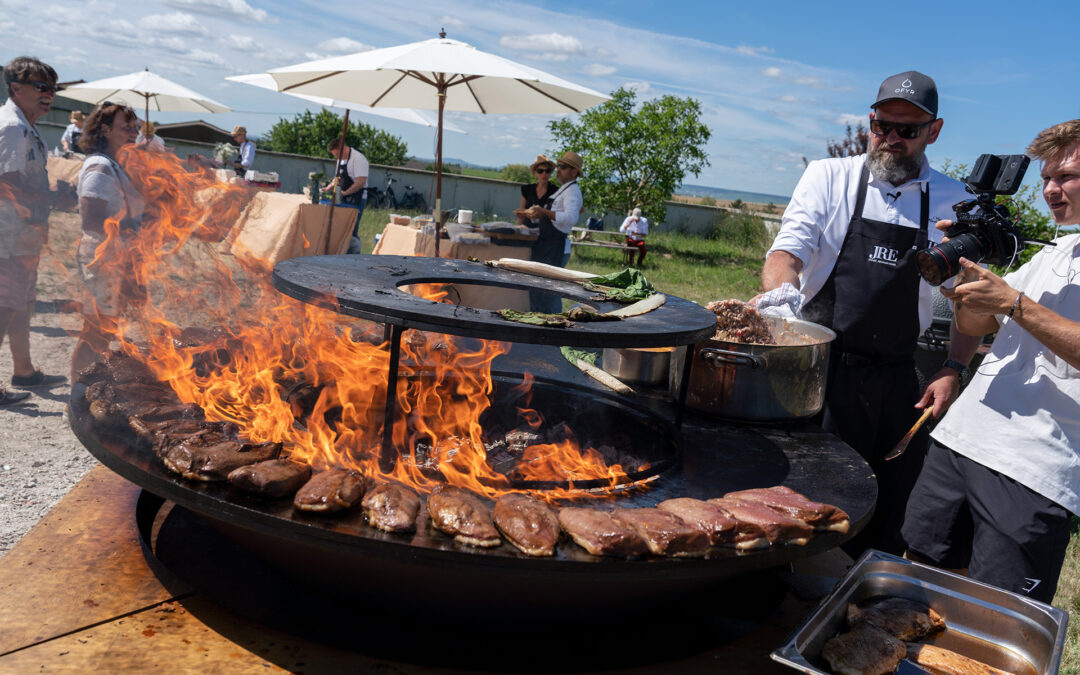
(211, 456)
(274, 478)
(463, 516)
(392, 508)
(778, 528)
(330, 491)
(718, 526)
(900, 617)
(527, 523)
(599, 533)
(791, 503)
(665, 533)
(945, 662)
(864, 650)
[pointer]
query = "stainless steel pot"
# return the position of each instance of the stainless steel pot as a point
(762, 383)
(639, 366)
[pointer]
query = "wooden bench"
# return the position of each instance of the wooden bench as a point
(580, 236)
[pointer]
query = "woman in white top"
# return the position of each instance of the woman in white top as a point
(148, 140)
(635, 227)
(111, 209)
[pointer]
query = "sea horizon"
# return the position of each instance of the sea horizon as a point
(731, 195)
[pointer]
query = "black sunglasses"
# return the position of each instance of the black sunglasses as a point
(42, 87)
(905, 131)
(564, 166)
(543, 169)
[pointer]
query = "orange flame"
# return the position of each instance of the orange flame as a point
(216, 330)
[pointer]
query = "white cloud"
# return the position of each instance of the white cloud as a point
(643, 89)
(177, 22)
(116, 32)
(243, 43)
(599, 69)
(7, 26)
(343, 45)
(772, 71)
(453, 22)
(779, 168)
(546, 43)
(222, 8)
(810, 81)
(203, 57)
(849, 118)
(788, 98)
(315, 56)
(746, 50)
(173, 67)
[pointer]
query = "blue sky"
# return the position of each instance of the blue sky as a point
(776, 80)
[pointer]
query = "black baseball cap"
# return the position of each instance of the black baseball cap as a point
(913, 87)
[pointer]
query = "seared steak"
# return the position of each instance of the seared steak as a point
(864, 650)
(211, 456)
(665, 533)
(392, 508)
(463, 516)
(945, 662)
(779, 529)
(330, 491)
(274, 478)
(718, 526)
(791, 503)
(903, 618)
(117, 367)
(527, 523)
(599, 533)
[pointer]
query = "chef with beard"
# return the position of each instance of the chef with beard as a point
(845, 258)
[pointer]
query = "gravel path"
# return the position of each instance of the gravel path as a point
(40, 458)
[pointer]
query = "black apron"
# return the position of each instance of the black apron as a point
(551, 243)
(346, 181)
(871, 300)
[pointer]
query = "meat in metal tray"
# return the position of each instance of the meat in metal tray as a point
(999, 628)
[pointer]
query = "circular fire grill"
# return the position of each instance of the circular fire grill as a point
(404, 573)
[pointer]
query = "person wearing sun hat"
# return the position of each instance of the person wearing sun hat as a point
(556, 222)
(247, 151)
(538, 193)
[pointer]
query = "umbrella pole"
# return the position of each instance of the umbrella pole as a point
(337, 190)
(438, 173)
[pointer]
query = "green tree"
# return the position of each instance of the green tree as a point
(516, 173)
(1024, 205)
(309, 134)
(635, 155)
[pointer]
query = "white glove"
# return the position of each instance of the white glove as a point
(784, 301)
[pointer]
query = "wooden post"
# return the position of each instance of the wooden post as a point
(438, 169)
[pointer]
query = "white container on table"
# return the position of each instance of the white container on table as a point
(464, 217)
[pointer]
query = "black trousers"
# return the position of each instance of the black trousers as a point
(962, 514)
(870, 407)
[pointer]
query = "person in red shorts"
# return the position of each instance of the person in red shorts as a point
(636, 227)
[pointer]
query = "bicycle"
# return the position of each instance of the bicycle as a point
(411, 200)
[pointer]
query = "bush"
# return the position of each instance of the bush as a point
(516, 173)
(738, 204)
(707, 201)
(742, 230)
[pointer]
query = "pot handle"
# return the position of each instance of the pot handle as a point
(715, 357)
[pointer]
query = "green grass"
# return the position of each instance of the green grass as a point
(1068, 599)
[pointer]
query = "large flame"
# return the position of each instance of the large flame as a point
(215, 329)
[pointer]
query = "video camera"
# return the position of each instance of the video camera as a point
(988, 234)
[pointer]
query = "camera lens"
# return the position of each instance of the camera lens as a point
(942, 261)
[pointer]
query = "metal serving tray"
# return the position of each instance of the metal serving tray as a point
(1002, 629)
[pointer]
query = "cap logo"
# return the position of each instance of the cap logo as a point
(905, 83)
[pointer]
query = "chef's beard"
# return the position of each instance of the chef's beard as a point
(893, 168)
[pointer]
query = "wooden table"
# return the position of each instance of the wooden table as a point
(78, 594)
(580, 236)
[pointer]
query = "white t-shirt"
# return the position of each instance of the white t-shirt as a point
(247, 154)
(356, 165)
(69, 135)
(567, 207)
(635, 228)
(1020, 414)
(155, 142)
(104, 179)
(817, 218)
(22, 151)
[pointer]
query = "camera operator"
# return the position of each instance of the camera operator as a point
(1003, 470)
(845, 257)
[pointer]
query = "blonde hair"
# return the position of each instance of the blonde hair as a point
(76, 116)
(1052, 142)
(148, 128)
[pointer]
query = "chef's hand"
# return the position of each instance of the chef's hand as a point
(940, 393)
(784, 301)
(980, 291)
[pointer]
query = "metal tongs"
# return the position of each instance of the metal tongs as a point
(901, 447)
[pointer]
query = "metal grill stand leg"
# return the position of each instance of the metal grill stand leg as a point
(388, 457)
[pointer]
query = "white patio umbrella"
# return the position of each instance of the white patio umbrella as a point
(411, 115)
(440, 74)
(146, 90)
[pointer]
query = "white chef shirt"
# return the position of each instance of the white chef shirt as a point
(567, 207)
(635, 228)
(356, 164)
(1020, 414)
(247, 154)
(817, 218)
